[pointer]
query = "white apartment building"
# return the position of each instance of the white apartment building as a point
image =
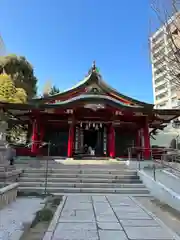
(164, 90)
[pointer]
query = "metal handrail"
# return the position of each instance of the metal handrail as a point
(156, 162)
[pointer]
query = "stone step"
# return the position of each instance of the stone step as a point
(102, 194)
(83, 180)
(83, 171)
(82, 175)
(76, 166)
(81, 185)
(85, 190)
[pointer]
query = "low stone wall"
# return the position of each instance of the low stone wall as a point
(139, 165)
(8, 194)
(51, 229)
(160, 191)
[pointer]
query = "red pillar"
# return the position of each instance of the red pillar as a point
(41, 139)
(35, 145)
(147, 146)
(111, 141)
(70, 140)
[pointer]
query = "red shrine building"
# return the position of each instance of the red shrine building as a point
(93, 114)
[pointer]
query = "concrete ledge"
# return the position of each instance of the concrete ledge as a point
(175, 236)
(160, 191)
(52, 227)
(141, 165)
(8, 188)
(8, 194)
(171, 174)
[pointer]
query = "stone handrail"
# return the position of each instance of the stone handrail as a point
(8, 194)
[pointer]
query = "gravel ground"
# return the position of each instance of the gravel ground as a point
(16, 215)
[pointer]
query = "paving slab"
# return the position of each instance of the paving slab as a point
(138, 223)
(99, 199)
(125, 209)
(76, 226)
(109, 226)
(146, 233)
(133, 215)
(114, 235)
(77, 215)
(75, 234)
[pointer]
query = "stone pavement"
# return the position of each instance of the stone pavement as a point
(107, 217)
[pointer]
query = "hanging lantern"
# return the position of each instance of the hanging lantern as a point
(100, 125)
(87, 127)
(96, 128)
(89, 124)
(93, 125)
(81, 124)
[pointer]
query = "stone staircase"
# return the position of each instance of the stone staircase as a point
(82, 178)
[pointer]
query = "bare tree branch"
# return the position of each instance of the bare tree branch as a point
(166, 13)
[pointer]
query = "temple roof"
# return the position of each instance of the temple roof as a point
(93, 78)
(93, 90)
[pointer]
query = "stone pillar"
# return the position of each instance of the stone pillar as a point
(3, 149)
(7, 172)
(4, 163)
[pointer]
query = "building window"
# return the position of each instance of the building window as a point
(162, 95)
(162, 105)
(159, 54)
(160, 70)
(160, 79)
(157, 45)
(158, 36)
(174, 100)
(161, 87)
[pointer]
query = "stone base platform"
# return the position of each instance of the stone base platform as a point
(9, 173)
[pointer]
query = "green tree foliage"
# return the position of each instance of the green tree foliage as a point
(8, 91)
(54, 90)
(49, 89)
(21, 72)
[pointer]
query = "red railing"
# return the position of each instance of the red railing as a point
(26, 150)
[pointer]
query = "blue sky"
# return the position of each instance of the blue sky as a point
(61, 38)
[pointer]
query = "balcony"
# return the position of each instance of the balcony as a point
(160, 93)
(160, 81)
(160, 98)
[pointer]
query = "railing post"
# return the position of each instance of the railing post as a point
(129, 154)
(139, 160)
(154, 170)
(46, 172)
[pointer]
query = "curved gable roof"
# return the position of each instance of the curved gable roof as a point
(93, 77)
